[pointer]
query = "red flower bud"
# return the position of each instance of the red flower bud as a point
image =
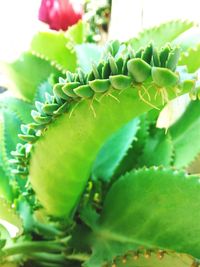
(59, 14)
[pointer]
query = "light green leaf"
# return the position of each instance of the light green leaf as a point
(76, 135)
(53, 47)
(158, 149)
(76, 34)
(5, 188)
(131, 159)
(191, 58)
(20, 107)
(154, 259)
(161, 34)
(114, 150)
(27, 73)
(149, 208)
(10, 127)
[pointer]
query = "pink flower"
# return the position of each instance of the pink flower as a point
(59, 14)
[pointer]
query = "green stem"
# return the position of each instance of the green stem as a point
(48, 258)
(32, 246)
(47, 229)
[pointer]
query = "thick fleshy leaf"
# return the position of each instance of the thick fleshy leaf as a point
(82, 129)
(74, 136)
(149, 208)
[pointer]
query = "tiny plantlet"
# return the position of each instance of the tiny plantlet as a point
(86, 177)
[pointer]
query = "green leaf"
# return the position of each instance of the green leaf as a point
(191, 58)
(185, 135)
(113, 151)
(53, 47)
(158, 149)
(153, 259)
(76, 33)
(10, 127)
(149, 208)
(20, 107)
(5, 188)
(161, 34)
(4, 234)
(68, 139)
(27, 73)
(87, 54)
(132, 157)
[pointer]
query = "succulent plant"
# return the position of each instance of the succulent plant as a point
(93, 182)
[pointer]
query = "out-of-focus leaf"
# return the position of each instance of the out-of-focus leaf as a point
(27, 73)
(53, 47)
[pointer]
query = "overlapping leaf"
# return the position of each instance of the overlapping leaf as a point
(53, 47)
(114, 150)
(27, 73)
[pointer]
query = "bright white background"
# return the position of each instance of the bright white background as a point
(18, 22)
(139, 14)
